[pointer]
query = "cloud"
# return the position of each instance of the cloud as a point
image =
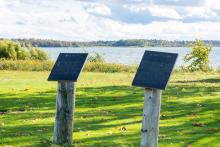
(98, 9)
(164, 12)
(153, 11)
(179, 2)
(110, 20)
(212, 4)
(200, 12)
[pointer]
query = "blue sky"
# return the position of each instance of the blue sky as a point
(85, 20)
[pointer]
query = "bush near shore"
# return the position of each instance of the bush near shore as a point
(13, 50)
(26, 65)
(109, 67)
(36, 65)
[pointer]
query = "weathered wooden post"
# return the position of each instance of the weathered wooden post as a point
(64, 112)
(153, 74)
(66, 71)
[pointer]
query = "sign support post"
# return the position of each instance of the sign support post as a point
(66, 71)
(151, 116)
(65, 104)
(153, 75)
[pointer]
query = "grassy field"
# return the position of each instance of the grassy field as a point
(108, 110)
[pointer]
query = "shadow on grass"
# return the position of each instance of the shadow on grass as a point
(103, 105)
(16, 102)
(212, 80)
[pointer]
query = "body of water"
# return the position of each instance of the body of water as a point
(130, 55)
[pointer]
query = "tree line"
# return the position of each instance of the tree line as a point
(118, 43)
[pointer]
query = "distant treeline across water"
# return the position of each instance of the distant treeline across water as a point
(119, 43)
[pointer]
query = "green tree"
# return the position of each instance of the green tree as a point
(199, 57)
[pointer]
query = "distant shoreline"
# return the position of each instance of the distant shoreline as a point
(119, 43)
(119, 47)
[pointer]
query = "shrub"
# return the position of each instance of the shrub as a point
(12, 50)
(96, 58)
(22, 54)
(38, 54)
(199, 57)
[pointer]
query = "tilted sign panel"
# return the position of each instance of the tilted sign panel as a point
(68, 67)
(154, 70)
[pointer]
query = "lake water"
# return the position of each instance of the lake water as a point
(131, 55)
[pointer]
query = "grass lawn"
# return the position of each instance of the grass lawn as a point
(106, 103)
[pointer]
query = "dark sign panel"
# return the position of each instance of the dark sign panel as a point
(155, 69)
(68, 67)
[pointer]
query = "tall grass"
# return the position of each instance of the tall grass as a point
(26, 65)
(108, 67)
(36, 65)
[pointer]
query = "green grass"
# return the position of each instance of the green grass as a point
(105, 102)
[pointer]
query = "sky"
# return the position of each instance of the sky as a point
(87, 20)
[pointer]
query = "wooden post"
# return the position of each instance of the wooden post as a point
(151, 116)
(65, 104)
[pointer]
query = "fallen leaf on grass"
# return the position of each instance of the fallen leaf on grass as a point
(26, 89)
(193, 114)
(123, 128)
(104, 113)
(22, 134)
(163, 116)
(21, 109)
(3, 112)
(43, 130)
(216, 129)
(198, 124)
(200, 105)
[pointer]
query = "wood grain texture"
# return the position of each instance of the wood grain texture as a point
(65, 103)
(151, 114)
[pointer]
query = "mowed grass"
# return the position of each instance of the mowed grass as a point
(109, 111)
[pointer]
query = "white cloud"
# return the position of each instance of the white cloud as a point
(158, 11)
(96, 20)
(166, 12)
(99, 9)
(135, 8)
(170, 30)
(200, 12)
(212, 4)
